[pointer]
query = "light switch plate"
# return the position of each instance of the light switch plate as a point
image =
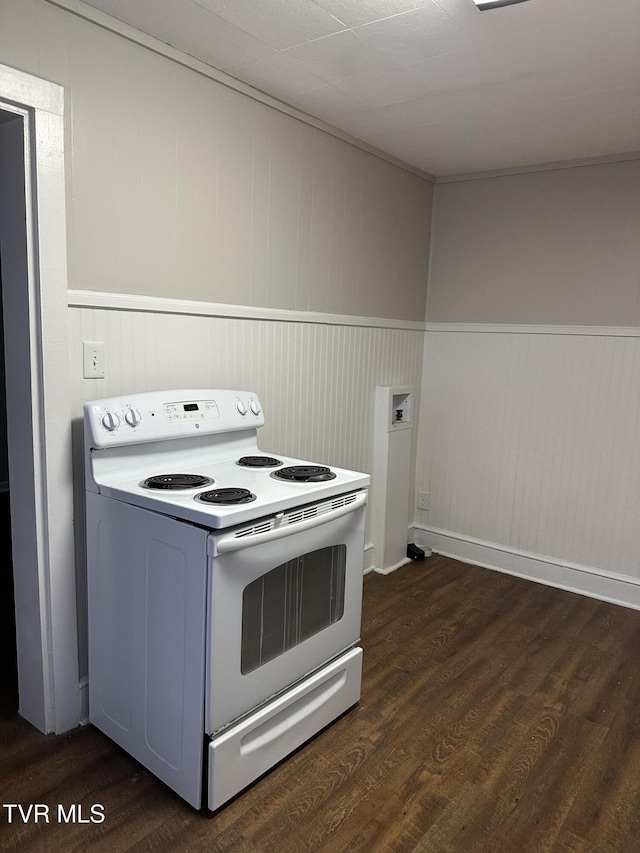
(93, 359)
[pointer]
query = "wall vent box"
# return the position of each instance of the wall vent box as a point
(391, 475)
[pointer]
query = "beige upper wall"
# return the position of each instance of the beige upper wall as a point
(550, 247)
(181, 187)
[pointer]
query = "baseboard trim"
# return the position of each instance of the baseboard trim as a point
(389, 569)
(369, 557)
(584, 580)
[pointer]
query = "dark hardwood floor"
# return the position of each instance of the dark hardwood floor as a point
(496, 715)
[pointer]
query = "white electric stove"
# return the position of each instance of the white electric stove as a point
(224, 588)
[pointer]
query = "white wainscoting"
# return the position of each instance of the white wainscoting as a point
(529, 449)
(315, 375)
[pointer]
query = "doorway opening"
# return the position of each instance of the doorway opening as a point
(36, 416)
(10, 128)
(8, 653)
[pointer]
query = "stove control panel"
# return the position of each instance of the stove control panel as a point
(161, 415)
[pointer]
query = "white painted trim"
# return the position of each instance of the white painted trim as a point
(508, 329)
(158, 305)
(540, 167)
(369, 552)
(585, 580)
(390, 569)
(52, 700)
(28, 92)
(101, 19)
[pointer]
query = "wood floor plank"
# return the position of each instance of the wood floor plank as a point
(545, 799)
(398, 813)
(567, 842)
(497, 716)
(339, 820)
(607, 803)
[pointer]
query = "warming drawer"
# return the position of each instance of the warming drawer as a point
(245, 751)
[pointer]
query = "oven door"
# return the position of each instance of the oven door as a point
(285, 597)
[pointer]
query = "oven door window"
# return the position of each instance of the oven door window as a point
(290, 603)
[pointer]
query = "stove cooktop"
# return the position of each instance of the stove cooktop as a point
(223, 502)
(194, 455)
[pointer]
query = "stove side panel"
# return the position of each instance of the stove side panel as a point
(146, 577)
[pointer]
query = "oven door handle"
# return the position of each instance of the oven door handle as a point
(233, 543)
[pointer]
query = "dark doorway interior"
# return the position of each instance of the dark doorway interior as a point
(8, 660)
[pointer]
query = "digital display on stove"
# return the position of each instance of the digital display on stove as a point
(198, 410)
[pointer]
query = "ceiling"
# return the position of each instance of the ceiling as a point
(437, 84)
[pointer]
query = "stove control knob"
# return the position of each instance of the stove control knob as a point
(255, 407)
(132, 417)
(241, 406)
(110, 421)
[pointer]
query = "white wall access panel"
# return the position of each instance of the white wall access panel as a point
(391, 474)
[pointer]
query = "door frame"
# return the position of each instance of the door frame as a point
(38, 408)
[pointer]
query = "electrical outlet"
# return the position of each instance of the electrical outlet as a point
(423, 500)
(93, 360)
